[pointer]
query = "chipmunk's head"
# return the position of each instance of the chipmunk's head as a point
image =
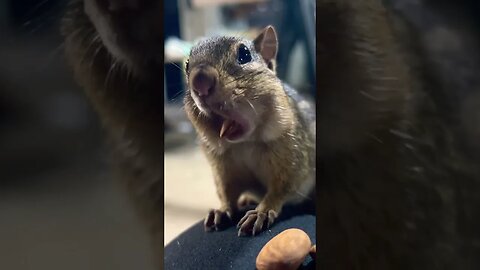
(232, 82)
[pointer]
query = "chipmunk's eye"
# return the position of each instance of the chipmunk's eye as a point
(186, 65)
(244, 55)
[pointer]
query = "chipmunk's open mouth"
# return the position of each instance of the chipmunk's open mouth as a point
(231, 129)
(232, 125)
(234, 128)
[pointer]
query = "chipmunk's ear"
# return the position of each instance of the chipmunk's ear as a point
(266, 44)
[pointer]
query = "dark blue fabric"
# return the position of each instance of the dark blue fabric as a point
(196, 249)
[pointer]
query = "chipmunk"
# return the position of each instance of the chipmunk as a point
(257, 132)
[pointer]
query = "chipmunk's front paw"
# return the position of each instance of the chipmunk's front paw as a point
(217, 220)
(255, 221)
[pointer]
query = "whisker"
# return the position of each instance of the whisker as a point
(124, 67)
(303, 195)
(180, 109)
(109, 74)
(95, 39)
(94, 57)
(374, 137)
(177, 66)
(176, 96)
(77, 32)
(371, 97)
(253, 108)
(87, 50)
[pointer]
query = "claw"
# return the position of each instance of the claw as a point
(254, 222)
(209, 223)
(246, 226)
(257, 227)
(247, 214)
(216, 219)
(272, 215)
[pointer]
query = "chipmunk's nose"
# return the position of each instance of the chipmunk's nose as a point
(203, 80)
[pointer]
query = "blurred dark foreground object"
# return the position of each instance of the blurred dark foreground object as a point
(197, 249)
(448, 33)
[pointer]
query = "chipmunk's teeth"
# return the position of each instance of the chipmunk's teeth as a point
(226, 126)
